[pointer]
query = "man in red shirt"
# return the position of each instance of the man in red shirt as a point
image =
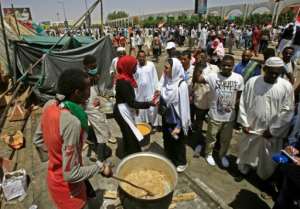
(62, 132)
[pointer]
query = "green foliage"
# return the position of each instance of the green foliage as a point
(214, 20)
(150, 21)
(194, 20)
(286, 18)
(259, 19)
(116, 15)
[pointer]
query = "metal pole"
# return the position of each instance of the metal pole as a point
(14, 13)
(101, 8)
(275, 11)
(86, 4)
(88, 18)
(5, 43)
(277, 14)
(63, 5)
(65, 14)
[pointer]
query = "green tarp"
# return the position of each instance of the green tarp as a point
(48, 41)
(48, 71)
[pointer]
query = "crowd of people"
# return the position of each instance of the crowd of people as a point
(257, 38)
(203, 86)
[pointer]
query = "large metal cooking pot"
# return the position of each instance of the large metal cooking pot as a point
(145, 160)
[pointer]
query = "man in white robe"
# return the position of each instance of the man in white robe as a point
(266, 109)
(203, 38)
(147, 80)
(121, 51)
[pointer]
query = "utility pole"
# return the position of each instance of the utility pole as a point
(88, 19)
(57, 15)
(6, 44)
(275, 12)
(64, 11)
(245, 12)
(102, 19)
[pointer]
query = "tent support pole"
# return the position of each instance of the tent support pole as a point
(89, 11)
(14, 13)
(6, 44)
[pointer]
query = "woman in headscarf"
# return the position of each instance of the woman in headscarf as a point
(175, 110)
(126, 105)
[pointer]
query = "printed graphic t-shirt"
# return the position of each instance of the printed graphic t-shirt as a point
(224, 91)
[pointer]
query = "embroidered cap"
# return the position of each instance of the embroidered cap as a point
(274, 62)
(170, 45)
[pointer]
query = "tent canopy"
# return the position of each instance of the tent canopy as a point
(50, 40)
(53, 64)
(46, 42)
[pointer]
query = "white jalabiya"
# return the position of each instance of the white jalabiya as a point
(203, 39)
(264, 106)
(147, 80)
(113, 66)
(177, 95)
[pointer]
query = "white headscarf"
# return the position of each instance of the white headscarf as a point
(176, 95)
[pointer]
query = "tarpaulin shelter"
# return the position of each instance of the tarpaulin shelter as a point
(46, 42)
(12, 35)
(55, 62)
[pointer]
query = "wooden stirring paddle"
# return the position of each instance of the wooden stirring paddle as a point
(149, 193)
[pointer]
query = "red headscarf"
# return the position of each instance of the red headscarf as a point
(125, 67)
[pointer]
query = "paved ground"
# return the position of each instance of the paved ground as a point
(215, 187)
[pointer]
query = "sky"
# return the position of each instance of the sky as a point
(46, 10)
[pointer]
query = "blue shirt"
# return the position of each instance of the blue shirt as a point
(240, 68)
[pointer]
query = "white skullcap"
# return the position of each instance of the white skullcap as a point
(170, 45)
(121, 49)
(274, 62)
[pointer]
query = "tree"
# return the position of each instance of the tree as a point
(286, 18)
(116, 15)
(149, 22)
(214, 20)
(171, 20)
(195, 20)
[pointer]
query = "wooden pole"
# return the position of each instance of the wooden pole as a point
(16, 21)
(4, 113)
(5, 43)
